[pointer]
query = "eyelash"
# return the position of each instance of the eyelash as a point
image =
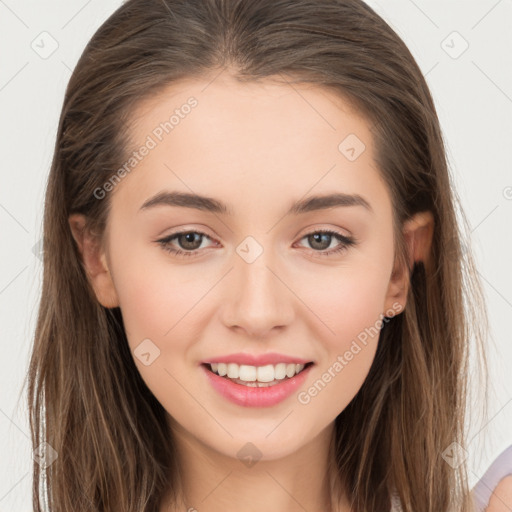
(346, 242)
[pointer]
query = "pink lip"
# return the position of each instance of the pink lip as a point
(257, 360)
(255, 397)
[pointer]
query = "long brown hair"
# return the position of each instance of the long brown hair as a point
(86, 397)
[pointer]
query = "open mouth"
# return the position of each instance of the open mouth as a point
(257, 376)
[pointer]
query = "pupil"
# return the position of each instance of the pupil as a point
(317, 239)
(189, 240)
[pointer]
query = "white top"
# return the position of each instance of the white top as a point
(396, 506)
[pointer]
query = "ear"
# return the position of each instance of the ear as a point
(94, 261)
(418, 232)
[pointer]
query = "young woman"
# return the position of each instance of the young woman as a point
(255, 291)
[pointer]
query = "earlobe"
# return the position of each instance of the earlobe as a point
(94, 261)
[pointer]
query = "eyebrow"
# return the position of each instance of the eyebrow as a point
(209, 204)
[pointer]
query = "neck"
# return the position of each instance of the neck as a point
(213, 481)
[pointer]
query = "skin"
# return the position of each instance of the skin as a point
(501, 498)
(257, 147)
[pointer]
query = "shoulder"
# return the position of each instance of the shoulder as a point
(493, 492)
(501, 499)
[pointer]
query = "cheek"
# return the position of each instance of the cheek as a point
(350, 302)
(348, 299)
(353, 313)
(163, 314)
(337, 381)
(359, 303)
(157, 299)
(350, 293)
(160, 311)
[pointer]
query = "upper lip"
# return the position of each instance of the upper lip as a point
(257, 360)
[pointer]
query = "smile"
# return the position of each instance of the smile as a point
(260, 376)
(256, 386)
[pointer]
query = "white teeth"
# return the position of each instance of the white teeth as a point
(247, 373)
(267, 373)
(233, 370)
(280, 371)
(290, 370)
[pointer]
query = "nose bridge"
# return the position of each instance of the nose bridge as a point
(259, 299)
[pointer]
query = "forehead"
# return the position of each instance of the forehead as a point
(254, 141)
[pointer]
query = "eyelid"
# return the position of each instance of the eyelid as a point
(314, 228)
(198, 228)
(174, 234)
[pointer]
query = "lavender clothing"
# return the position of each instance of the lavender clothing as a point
(499, 469)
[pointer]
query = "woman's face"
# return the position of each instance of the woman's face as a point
(236, 166)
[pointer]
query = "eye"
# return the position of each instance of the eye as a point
(191, 241)
(323, 239)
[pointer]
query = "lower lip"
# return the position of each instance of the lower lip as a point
(253, 396)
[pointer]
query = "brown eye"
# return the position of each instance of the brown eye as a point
(188, 242)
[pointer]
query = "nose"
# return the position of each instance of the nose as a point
(258, 298)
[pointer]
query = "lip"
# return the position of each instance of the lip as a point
(258, 360)
(246, 396)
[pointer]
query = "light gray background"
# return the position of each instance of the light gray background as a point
(473, 95)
